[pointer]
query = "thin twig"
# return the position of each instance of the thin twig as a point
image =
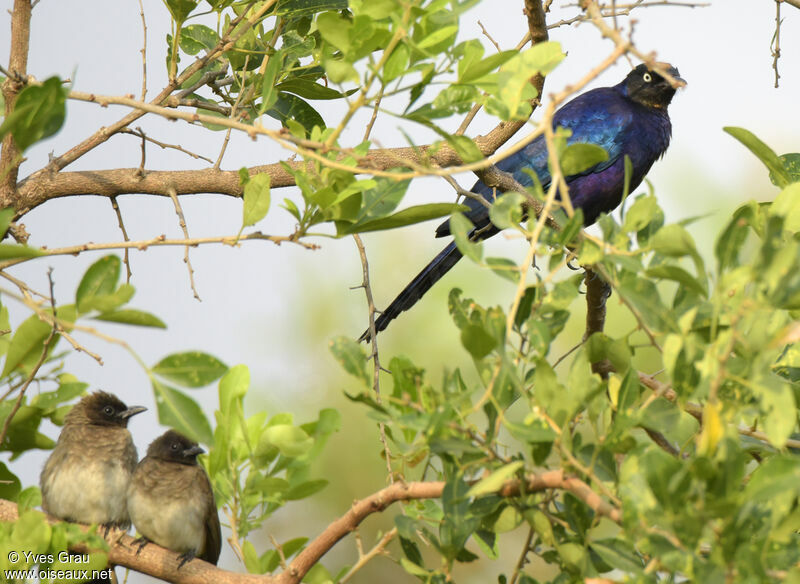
(142, 245)
(374, 117)
(376, 363)
(126, 258)
(363, 558)
(140, 133)
(488, 36)
(776, 41)
(523, 557)
(182, 222)
(143, 50)
(228, 131)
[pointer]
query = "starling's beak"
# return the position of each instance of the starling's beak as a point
(193, 451)
(672, 72)
(124, 415)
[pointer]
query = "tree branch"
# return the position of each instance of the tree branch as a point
(379, 501)
(10, 156)
(597, 293)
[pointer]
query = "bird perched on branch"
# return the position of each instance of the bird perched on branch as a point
(171, 501)
(86, 477)
(629, 119)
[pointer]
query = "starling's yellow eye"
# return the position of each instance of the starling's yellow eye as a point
(647, 77)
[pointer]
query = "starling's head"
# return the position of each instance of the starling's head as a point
(648, 88)
(102, 409)
(172, 446)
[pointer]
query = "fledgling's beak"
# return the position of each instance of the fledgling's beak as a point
(125, 414)
(193, 451)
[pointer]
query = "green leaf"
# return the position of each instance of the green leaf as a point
(292, 441)
(351, 357)
(408, 216)
(644, 297)
(477, 340)
(31, 532)
(177, 410)
(791, 164)
(382, 199)
(396, 64)
(340, 71)
(10, 486)
(677, 274)
(765, 154)
(11, 251)
(233, 387)
(306, 489)
(641, 213)
(461, 227)
(335, 30)
(465, 147)
(269, 92)
(732, 238)
(133, 317)
(299, 8)
(196, 37)
(180, 9)
(476, 70)
(578, 158)
(190, 369)
(289, 108)
(109, 302)
(504, 268)
(256, 199)
(777, 475)
(100, 279)
(787, 205)
(67, 391)
(618, 554)
(28, 341)
(495, 480)
(673, 240)
(506, 211)
(38, 113)
(6, 215)
(309, 89)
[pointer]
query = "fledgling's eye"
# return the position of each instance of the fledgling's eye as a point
(108, 411)
(175, 445)
(647, 77)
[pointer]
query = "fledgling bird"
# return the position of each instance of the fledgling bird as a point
(171, 501)
(628, 119)
(86, 477)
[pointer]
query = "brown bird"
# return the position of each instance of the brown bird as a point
(86, 477)
(171, 501)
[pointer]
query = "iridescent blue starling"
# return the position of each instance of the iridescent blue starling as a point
(628, 119)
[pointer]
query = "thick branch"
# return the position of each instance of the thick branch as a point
(379, 501)
(10, 156)
(537, 27)
(597, 293)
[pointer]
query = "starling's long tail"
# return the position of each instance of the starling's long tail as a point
(430, 274)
